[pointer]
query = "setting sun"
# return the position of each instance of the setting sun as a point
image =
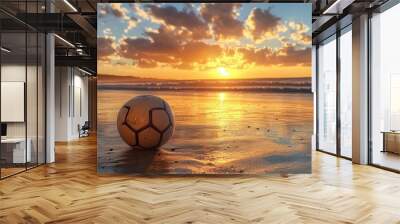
(223, 72)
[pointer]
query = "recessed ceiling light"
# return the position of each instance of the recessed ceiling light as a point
(70, 5)
(337, 7)
(84, 71)
(65, 41)
(5, 50)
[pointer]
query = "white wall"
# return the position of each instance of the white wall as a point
(71, 94)
(62, 81)
(80, 111)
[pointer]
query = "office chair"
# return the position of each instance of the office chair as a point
(84, 130)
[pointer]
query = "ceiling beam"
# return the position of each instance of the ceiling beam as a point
(320, 22)
(49, 22)
(84, 24)
(337, 7)
(78, 61)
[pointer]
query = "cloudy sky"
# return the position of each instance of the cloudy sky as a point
(204, 40)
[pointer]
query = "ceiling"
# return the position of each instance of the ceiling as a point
(75, 22)
(75, 42)
(330, 15)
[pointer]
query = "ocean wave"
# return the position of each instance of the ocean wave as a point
(302, 89)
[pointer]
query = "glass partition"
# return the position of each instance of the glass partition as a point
(22, 88)
(13, 94)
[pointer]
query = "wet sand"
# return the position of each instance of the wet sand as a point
(216, 133)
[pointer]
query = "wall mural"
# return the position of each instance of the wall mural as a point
(204, 88)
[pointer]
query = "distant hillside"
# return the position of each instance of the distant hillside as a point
(121, 79)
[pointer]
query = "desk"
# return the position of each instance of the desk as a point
(14, 150)
(391, 141)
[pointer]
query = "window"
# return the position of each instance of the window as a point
(327, 95)
(346, 92)
(385, 89)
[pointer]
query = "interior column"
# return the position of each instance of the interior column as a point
(360, 90)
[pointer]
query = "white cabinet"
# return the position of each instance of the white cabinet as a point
(17, 145)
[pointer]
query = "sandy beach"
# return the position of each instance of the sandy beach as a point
(216, 133)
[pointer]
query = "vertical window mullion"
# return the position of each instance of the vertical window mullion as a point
(37, 90)
(317, 95)
(0, 92)
(338, 80)
(26, 86)
(369, 79)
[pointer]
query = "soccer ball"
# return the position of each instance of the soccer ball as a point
(146, 122)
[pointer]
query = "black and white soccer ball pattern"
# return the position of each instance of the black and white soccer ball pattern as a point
(146, 122)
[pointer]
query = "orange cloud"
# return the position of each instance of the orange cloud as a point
(185, 21)
(299, 33)
(162, 46)
(262, 24)
(105, 47)
(287, 56)
(114, 9)
(222, 19)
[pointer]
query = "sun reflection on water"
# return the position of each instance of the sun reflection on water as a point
(221, 97)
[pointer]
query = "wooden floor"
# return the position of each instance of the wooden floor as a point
(70, 191)
(387, 159)
(8, 171)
